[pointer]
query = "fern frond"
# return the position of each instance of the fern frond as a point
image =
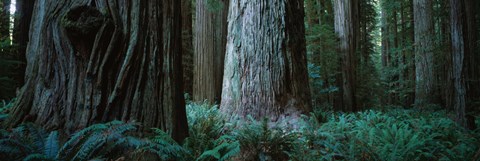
(88, 148)
(51, 145)
(78, 137)
(14, 147)
(35, 157)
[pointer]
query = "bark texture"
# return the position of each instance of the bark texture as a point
(23, 16)
(347, 28)
(209, 55)
(96, 61)
(187, 45)
(4, 19)
(265, 64)
(460, 44)
(424, 43)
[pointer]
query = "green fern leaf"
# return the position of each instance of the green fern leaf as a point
(36, 157)
(51, 145)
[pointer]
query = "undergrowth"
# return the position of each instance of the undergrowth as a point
(389, 135)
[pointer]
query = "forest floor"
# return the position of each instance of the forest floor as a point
(389, 135)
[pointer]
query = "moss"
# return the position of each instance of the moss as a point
(82, 20)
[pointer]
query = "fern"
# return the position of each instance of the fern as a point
(164, 146)
(52, 145)
(259, 140)
(97, 140)
(226, 148)
(35, 157)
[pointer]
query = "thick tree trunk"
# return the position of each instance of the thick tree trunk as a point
(346, 18)
(459, 41)
(209, 55)
(187, 45)
(266, 64)
(424, 33)
(96, 61)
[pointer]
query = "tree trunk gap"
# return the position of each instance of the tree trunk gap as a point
(210, 45)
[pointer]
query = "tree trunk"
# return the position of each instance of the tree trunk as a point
(187, 46)
(4, 19)
(23, 16)
(312, 16)
(424, 33)
(472, 69)
(458, 31)
(346, 18)
(210, 43)
(96, 61)
(266, 63)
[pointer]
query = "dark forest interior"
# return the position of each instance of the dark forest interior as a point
(255, 80)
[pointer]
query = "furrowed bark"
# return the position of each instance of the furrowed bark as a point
(97, 61)
(265, 65)
(209, 55)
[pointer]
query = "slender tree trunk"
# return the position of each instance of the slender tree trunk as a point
(346, 18)
(472, 57)
(23, 16)
(412, 68)
(210, 43)
(424, 33)
(187, 45)
(458, 31)
(266, 64)
(311, 11)
(4, 19)
(96, 61)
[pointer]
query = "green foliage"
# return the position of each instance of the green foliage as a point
(164, 147)
(99, 140)
(29, 142)
(4, 108)
(10, 72)
(214, 5)
(394, 135)
(261, 141)
(210, 136)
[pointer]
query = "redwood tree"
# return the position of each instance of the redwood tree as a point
(96, 61)
(424, 43)
(347, 30)
(266, 65)
(209, 54)
(463, 49)
(23, 16)
(187, 43)
(4, 19)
